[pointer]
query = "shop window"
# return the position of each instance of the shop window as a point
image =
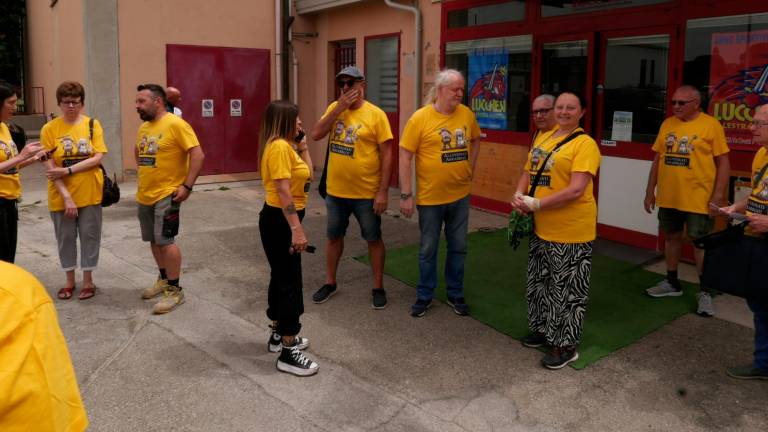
(564, 66)
(381, 62)
(727, 59)
(551, 8)
(498, 73)
(488, 14)
(635, 88)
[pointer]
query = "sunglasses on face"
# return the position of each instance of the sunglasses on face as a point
(541, 112)
(346, 83)
(680, 102)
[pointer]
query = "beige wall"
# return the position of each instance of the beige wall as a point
(356, 22)
(56, 46)
(146, 26)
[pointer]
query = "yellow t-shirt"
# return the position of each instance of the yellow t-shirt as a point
(163, 146)
(577, 221)
(686, 162)
(441, 144)
(73, 145)
(38, 387)
(354, 164)
(10, 185)
(757, 203)
(280, 161)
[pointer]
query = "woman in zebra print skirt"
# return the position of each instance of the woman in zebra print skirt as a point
(565, 224)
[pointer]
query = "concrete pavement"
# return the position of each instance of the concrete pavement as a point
(205, 367)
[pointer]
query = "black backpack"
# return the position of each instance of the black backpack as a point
(111, 190)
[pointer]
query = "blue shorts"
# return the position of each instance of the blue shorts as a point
(339, 210)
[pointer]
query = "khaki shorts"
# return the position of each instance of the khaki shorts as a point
(673, 221)
(151, 221)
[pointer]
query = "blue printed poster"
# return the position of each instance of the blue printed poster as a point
(488, 73)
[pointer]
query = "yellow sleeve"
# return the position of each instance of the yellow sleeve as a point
(383, 131)
(411, 137)
(184, 134)
(330, 108)
(587, 157)
(98, 138)
(279, 160)
(47, 138)
(719, 143)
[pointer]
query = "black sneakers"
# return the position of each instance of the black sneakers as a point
(275, 342)
(419, 308)
(293, 361)
(460, 307)
(324, 293)
(559, 357)
(534, 340)
(378, 298)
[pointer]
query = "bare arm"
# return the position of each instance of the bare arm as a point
(385, 167)
(196, 158)
(298, 238)
(24, 158)
(323, 126)
(474, 153)
(406, 185)
(722, 178)
(54, 173)
(70, 208)
(650, 190)
(521, 189)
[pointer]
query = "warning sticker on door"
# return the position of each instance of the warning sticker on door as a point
(235, 107)
(207, 107)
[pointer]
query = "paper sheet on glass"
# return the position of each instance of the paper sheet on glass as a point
(622, 126)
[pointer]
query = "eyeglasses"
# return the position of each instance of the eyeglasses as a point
(680, 102)
(541, 112)
(758, 123)
(347, 83)
(70, 103)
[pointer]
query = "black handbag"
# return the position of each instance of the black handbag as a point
(521, 225)
(110, 190)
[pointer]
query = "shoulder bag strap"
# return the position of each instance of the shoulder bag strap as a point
(544, 162)
(90, 130)
(760, 174)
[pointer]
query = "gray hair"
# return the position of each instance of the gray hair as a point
(692, 89)
(547, 97)
(444, 77)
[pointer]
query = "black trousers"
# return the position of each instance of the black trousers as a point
(285, 299)
(9, 225)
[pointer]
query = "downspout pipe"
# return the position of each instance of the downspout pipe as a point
(417, 26)
(278, 50)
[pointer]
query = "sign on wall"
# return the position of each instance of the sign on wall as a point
(738, 82)
(207, 106)
(236, 107)
(488, 79)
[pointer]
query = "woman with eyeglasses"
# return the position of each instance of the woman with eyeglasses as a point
(11, 160)
(563, 162)
(75, 186)
(286, 172)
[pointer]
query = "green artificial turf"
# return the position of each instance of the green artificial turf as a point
(618, 313)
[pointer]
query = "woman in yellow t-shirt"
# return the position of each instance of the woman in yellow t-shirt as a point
(75, 183)
(11, 160)
(285, 171)
(565, 223)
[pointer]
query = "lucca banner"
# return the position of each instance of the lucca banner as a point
(488, 88)
(738, 82)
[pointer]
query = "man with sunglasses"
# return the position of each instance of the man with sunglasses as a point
(358, 169)
(543, 113)
(689, 171)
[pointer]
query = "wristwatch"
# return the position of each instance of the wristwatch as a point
(189, 188)
(404, 196)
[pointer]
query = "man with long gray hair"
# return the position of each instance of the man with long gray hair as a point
(444, 137)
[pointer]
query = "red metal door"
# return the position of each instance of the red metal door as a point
(222, 75)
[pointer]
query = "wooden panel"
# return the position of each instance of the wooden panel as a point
(498, 169)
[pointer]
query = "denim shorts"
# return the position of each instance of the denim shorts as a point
(696, 225)
(339, 210)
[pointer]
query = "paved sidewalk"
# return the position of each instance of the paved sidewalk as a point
(205, 367)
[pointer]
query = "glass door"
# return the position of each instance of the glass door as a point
(566, 63)
(382, 76)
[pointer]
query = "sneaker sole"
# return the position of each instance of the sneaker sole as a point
(750, 377)
(422, 313)
(169, 310)
(532, 345)
(575, 357)
(668, 294)
(325, 299)
(293, 370)
(374, 307)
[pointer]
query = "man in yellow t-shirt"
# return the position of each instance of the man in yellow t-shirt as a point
(38, 386)
(444, 137)
(755, 206)
(689, 171)
(169, 159)
(359, 164)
